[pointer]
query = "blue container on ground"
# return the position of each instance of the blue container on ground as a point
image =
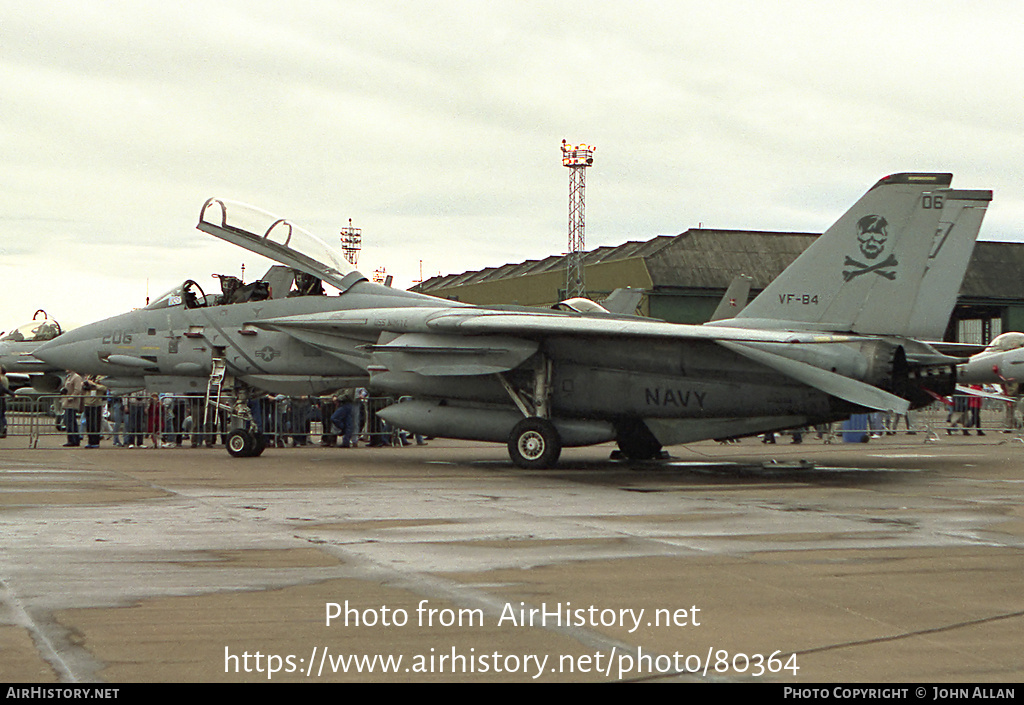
(855, 429)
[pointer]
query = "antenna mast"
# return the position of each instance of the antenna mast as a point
(577, 159)
(351, 243)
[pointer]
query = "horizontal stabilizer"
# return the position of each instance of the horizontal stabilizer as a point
(851, 390)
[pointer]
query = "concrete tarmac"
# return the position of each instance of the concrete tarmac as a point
(893, 561)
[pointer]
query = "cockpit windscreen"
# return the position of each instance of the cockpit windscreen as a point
(188, 294)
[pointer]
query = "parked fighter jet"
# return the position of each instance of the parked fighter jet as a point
(1001, 362)
(16, 355)
(832, 335)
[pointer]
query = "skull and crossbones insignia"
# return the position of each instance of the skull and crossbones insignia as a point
(872, 235)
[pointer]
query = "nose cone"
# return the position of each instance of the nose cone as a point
(74, 350)
(985, 368)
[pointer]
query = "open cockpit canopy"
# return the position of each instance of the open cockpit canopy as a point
(277, 239)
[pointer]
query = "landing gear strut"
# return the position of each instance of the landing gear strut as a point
(534, 442)
(244, 441)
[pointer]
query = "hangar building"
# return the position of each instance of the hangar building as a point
(684, 276)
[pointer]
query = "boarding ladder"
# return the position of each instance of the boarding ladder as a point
(214, 390)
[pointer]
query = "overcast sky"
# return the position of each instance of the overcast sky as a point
(436, 127)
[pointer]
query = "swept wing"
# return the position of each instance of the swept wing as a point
(531, 324)
(467, 342)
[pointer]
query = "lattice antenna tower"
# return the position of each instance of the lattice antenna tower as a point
(577, 159)
(351, 243)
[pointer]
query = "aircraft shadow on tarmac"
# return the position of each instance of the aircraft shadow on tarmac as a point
(679, 475)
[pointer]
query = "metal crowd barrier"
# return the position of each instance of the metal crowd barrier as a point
(930, 424)
(170, 420)
(166, 420)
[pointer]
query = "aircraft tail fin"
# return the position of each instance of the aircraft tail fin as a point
(623, 301)
(882, 263)
(950, 254)
(734, 300)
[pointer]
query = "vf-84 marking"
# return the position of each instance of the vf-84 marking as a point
(801, 299)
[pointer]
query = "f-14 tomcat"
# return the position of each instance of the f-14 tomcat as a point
(836, 333)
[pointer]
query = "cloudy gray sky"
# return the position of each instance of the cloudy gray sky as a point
(436, 127)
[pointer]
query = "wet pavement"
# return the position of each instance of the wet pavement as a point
(896, 560)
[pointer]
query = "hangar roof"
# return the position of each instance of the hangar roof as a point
(645, 250)
(996, 272)
(709, 259)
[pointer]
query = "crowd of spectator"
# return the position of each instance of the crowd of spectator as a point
(141, 419)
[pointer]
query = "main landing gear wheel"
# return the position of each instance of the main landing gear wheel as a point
(243, 443)
(534, 444)
(636, 442)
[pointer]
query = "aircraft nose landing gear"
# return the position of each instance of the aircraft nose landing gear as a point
(534, 444)
(244, 443)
